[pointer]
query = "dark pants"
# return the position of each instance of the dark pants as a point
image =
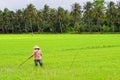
(38, 61)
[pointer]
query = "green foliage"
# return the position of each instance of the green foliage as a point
(105, 28)
(91, 18)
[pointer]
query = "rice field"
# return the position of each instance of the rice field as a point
(65, 57)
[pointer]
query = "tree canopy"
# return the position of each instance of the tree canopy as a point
(96, 16)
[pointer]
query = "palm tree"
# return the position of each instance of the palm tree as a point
(53, 19)
(66, 21)
(12, 20)
(88, 15)
(1, 21)
(60, 16)
(46, 14)
(118, 16)
(19, 16)
(31, 14)
(25, 19)
(39, 20)
(5, 20)
(98, 13)
(76, 14)
(111, 15)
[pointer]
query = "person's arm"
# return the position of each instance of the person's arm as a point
(41, 53)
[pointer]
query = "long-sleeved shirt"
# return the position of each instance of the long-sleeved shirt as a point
(37, 54)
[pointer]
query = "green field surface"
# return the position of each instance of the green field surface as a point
(65, 57)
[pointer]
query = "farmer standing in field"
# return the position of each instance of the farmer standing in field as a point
(37, 53)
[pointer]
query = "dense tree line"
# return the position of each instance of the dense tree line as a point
(97, 16)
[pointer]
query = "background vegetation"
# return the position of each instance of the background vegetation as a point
(97, 16)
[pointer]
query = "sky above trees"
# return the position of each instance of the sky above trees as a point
(39, 4)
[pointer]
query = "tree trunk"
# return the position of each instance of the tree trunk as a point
(98, 24)
(113, 28)
(31, 25)
(26, 27)
(3, 30)
(12, 28)
(60, 26)
(38, 27)
(53, 30)
(6, 31)
(89, 24)
(19, 28)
